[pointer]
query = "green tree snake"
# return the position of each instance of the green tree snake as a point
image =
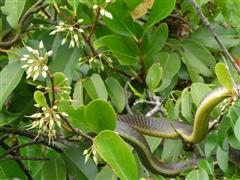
(131, 127)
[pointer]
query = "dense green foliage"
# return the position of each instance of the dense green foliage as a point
(68, 67)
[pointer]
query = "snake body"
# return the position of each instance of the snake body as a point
(131, 127)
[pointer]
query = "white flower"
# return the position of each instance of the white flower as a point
(108, 1)
(35, 62)
(108, 14)
(95, 6)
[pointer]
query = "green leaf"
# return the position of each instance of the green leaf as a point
(100, 115)
(132, 4)
(117, 154)
(95, 87)
(76, 166)
(171, 64)
(10, 76)
(186, 105)
(157, 40)
(54, 169)
(40, 99)
(160, 10)
(74, 4)
(211, 144)
(222, 158)
(171, 150)
(207, 166)
(198, 91)
(78, 95)
(223, 76)
(106, 173)
(122, 48)
(198, 60)
(154, 76)
(13, 10)
(6, 118)
(64, 59)
(116, 93)
(237, 129)
(199, 174)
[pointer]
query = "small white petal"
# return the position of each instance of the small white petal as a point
(29, 70)
(64, 114)
(28, 76)
(102, 12)
(108, 1)
(80, 21)
(71, 28)
(44, 74)
(61, 23)
(80, 30)
(35, 52)
(63, 41)
(95, 6)
(26, 55)
(23, 59)
(35, 76)
(108, 14)
(24, 66)
(41, 46)
(55, 107)
(72, 43)
(35, 68)
(29, 49)
(44, 109)
(45, 68)
(57, 116)
(30, 61)
(49, 53)
(54, 32)
(75, 37)
(41, 58)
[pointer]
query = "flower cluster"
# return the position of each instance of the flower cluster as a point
(72, 31)
(97, 62)
(47, 121)
(35, 62)
(103, 11)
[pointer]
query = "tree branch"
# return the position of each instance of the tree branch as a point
(214, 34)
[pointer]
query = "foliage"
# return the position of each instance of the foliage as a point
(68, 67)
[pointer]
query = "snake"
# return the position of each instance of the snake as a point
(131, 128)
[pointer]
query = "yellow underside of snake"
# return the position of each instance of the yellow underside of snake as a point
(131, 127)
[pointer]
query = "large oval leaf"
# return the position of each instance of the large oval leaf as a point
(199, 174)
(100, 115)
(117, 154)
(154, 76)
(122, 48)
(116, 93)
(160, 10)
(223, 76)
(95, 87)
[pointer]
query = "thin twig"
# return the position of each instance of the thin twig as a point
(214, 34)
(19, 162)
(16, 147)
(94, 25)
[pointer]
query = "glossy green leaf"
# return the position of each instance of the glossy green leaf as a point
(228, 37)
(100, 115)
(198, 91)
(171, 64)
(6, 118)
(211, 144)
(186, 105)
(64, 59)
(10, 76)
(78, 95)
(106, 173)
(116, 93)
(13, 10)
(222, 158)
(157, 40)
(54, 169)
(154, 76)
(40, 99)
(237, 129)
(117, 154)
(95, 87)
(198, 60)
(160, 10)
(223, 76)
(171, 150)
(74, 4)
(76, 166)
(132, 4)
(198, 174)
(207, 166)
(122, 48)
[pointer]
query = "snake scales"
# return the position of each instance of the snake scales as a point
(131, 127)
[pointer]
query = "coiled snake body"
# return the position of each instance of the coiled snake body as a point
(131, 127)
